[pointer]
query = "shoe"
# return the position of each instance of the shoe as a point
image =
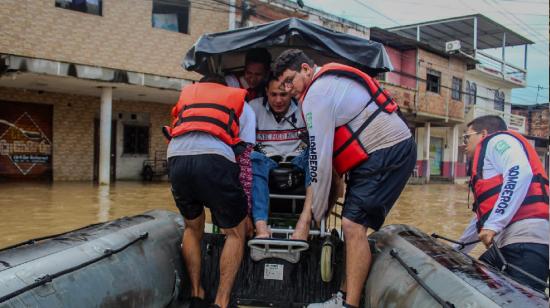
(197, 302)
(337, 301)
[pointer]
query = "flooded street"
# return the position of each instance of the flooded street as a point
(30, 210)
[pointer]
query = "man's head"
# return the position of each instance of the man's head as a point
(278, 100)
(213, 78)
(481, 127)
(256, 66)
(294, 70)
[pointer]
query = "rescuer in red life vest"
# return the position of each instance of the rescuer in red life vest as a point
(208, 122)
(510, 189)
(353, 127)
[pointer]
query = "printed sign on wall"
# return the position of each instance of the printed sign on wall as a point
(25, 141)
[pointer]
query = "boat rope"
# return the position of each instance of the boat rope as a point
(49, 277)
(38, 239)
(414, 274)
(461, 244)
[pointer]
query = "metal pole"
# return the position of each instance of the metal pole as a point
(418, 33)
(503, 53)
(475, 36)
(525, 58)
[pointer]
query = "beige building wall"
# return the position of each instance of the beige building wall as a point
(73, 128)
(122, 38)
(441, 103)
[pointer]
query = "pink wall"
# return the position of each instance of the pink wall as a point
(408, 67)
(404, 63)
(395, 58)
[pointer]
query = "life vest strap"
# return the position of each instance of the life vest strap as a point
(210, 120)
(356, 134)
(487, 194)
(535, 199)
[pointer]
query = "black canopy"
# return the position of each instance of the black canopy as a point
(224, 51)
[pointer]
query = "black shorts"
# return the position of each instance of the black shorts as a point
(208, 180)
(374, 186)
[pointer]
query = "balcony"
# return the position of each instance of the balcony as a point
(504, 74)
(514, 122)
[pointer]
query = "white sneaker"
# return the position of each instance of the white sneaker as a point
(337, 301)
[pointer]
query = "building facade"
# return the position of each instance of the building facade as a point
(83, 83)
(457, 81)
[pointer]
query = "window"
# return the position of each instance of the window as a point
(171, 15)
(457, 89)
(136, 139)
(85, 6)
(499, 100)
(433, 79)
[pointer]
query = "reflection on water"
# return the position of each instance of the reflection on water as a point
(35, 210)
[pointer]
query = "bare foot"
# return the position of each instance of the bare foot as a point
(301, 232)
(262, 231)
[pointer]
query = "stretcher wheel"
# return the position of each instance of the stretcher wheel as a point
(326, 261)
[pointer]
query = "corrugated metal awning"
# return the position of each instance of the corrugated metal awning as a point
(436, 33)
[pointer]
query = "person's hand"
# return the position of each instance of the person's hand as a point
(486, 236)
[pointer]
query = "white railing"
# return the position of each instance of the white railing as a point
(496, 66)
(514, 121)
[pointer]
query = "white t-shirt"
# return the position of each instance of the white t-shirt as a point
(333, 101)
(279, 138)
(247, 125)
(236, 82)
(195, 143)
(505, 155)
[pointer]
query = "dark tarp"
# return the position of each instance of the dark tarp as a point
(323, 45)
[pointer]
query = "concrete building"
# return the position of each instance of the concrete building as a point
(537, 128)
(86, 85)
(466, 82)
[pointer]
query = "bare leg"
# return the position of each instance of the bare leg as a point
(358, 259)
(191, 250)
(302, 226)
(230, 261)
(262, 231)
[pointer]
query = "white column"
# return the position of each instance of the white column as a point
(105, 136)
(427, 134)
(232, 14)
(454, 153)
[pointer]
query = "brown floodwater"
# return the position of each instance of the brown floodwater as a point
(30, 210)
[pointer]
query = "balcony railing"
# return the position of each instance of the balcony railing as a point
(498, 68)
(514, 121)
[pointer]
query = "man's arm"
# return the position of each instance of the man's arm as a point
(507, 156)
(320, 121)
(469, 235)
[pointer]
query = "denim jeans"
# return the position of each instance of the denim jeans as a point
(530, 257)
(261, 166)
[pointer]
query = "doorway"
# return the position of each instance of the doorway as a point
(436, 156)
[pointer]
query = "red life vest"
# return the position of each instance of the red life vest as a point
(486, 191)
(348, 151)
(210, 108)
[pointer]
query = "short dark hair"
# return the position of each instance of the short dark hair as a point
(491, 123)
(213, 78)
(290, 59)
(270, 78)
(258, 55)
